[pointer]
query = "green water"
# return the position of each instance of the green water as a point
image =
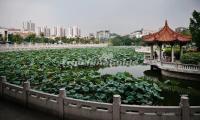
(170, 98)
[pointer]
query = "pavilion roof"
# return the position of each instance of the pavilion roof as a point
(166, 35)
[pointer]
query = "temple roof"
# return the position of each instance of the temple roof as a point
(166, 35)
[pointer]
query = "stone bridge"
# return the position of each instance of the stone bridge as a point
(182, 71)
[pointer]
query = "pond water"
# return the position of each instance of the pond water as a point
(170, 98)
(136, 71)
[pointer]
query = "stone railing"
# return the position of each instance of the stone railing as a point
(137, 112)
(178, 67)
(143, 49)
(69, 108)
(46, 46)
(188, 67)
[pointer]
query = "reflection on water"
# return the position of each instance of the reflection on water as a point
(171, 98)
(136, 71)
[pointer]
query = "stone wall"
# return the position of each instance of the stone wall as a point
(180, 75)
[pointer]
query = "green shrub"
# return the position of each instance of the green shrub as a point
(167, 52)
(191, 58)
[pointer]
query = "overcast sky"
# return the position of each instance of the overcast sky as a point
(119, 16)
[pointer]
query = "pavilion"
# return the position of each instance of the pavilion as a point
(166, 36)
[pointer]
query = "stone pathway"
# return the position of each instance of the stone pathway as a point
(12, 111)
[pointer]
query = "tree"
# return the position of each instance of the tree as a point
(41, 34)
(127, 40)
(138, 41)
(10, 38)
(121, 41)
(195, 28)
(116, 41)
(186, 32)
(52, 41)
(92, 40)
(57, 39)
(46, 40)
(31, 38)
(1, 37)
(18, 38)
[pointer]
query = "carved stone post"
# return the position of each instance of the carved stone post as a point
(62, 95)
(116, 107)
(185, 108)
(2, 83)
(26, 87)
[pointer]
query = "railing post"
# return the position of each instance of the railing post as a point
(2, 84)
(62, 95)
(185, 108)
(177, 66)
(151, 54)
(26, 87)
(116, 107)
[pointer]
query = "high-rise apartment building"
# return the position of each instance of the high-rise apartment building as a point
(62, 32)
(70, 32)
(39, 31)
(28, 26)
(47, 31)
(55, 32)
(73, 32)
(76, 31)
(103, 35)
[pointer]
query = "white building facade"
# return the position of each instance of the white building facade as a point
(62, 32)
(140, 33)
(76, 31)
(28, 26)
(103, 35)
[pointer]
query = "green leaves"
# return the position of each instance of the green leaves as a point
(191, 58)
(194, 28)
(133, 90)
(48, 71)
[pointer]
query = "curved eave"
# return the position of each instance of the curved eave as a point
(180, 39)
(166, 35)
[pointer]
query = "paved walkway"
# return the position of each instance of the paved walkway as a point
(12, 111)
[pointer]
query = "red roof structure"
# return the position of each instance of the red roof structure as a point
(166, 35)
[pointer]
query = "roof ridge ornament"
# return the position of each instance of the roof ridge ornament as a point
(166, 24)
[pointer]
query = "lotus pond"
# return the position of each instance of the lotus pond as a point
(94, 74)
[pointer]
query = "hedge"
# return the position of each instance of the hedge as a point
(191, 58)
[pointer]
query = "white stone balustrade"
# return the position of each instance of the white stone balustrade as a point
(187, 68)
(69, 108)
